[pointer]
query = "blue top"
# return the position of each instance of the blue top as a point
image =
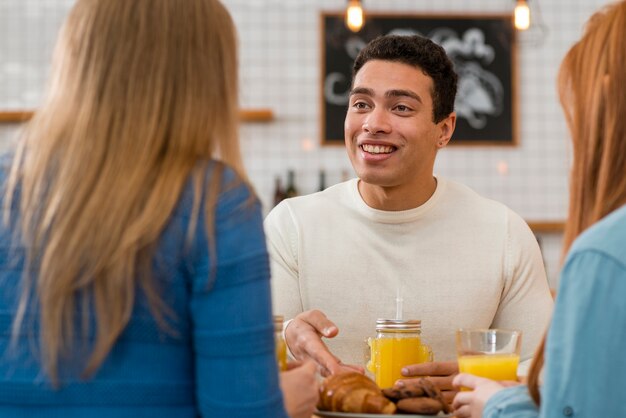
(222, 362)
(586, 346)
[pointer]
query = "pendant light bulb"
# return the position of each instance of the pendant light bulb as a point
(522, 15)
(354, 15)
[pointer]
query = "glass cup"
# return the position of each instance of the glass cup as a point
(281, 346)
(490, 353)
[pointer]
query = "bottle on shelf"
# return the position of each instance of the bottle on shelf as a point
(322, 183)
(291, 190)
(279, 192)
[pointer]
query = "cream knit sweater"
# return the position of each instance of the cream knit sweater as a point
(460, 261)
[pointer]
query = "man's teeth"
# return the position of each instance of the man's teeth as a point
(377, 149)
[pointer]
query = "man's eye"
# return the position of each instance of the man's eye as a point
(360, 105)
(402, 108)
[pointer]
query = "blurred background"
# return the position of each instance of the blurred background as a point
(281, 71)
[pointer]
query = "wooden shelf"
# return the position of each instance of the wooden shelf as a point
(247, 115)
(256, 115)
(266, 115)
(15, 116)
(547, 226)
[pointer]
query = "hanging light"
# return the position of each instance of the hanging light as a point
(522, 15)
(354, 15)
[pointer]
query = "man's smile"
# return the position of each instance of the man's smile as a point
(377, 149)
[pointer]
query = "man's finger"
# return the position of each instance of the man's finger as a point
(443, 383)
(434, 368)
(351, 368)
(320, 322)
(448, 395)
(320, 354)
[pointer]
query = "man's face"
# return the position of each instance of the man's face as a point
(390, 135)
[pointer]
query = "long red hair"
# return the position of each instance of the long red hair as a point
(591, 88)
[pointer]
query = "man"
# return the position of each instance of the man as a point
(458, 260)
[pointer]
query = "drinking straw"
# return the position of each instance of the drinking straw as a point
(399, 301)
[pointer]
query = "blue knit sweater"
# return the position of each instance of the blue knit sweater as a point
(221, 363)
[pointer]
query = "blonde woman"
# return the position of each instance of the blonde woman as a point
(584, 349)
(134, 274)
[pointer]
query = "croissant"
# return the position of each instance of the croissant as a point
(353, 392)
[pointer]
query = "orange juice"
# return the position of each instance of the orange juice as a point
(279, 343)
(492, 366)
(281, 354)
(390, 354)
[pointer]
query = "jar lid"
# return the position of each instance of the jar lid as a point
(398, 324)
(278, 322)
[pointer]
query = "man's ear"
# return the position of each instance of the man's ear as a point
(446, 127)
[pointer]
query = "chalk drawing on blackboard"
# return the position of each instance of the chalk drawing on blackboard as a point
(480, 48)
(337, 84)
(479, 93)
(332, 82)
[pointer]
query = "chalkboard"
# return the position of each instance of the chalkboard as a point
(482, 48)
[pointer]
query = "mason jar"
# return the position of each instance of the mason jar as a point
(398, 343)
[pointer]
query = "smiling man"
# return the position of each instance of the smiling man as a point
(457, 259)
(392, 133)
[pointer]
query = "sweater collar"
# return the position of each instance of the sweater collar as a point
(395, 217)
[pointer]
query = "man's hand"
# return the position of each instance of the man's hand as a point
(304, 339)
(300, 389)
(470, 404)
(439, 372)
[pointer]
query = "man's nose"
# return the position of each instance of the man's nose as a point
(377, 122)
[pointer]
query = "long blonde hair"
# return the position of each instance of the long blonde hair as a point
(141, 93)
(591, 82)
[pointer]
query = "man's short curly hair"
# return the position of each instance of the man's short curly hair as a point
(421, 53)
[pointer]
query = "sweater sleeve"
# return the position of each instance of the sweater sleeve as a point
(585, 362)
(282, 241)
(513, 402)
(526, 303)
(233, 341)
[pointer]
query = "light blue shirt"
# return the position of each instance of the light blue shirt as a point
(586, 347)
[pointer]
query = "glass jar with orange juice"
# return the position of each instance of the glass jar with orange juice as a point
(490, 353)
(398, 343)
(279, 341)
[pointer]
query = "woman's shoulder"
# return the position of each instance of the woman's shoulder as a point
(606, 237)
(215, 183)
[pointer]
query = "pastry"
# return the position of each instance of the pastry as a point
(353, 392)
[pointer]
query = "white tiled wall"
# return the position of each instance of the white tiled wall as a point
(280, 70)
